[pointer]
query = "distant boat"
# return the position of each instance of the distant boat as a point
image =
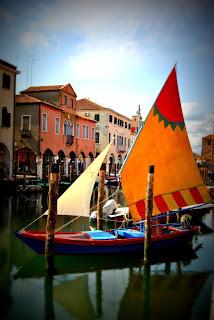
(162, 142)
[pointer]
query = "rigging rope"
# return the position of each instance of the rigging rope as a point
(69, 222)
(32, 222)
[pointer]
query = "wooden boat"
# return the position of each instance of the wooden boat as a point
(162, 142)
(103, 242)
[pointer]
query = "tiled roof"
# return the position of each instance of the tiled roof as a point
(45, 88)
(82, 117)
(23, 98)
(86, 104)
(209, 136)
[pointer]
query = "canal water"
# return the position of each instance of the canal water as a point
(177, 286)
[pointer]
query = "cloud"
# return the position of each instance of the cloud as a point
(198, 129)
(30, 39)
(101, 62)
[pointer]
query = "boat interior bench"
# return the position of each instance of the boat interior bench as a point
(101, 235)
(130, 233)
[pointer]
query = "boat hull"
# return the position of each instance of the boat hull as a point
(70, 243)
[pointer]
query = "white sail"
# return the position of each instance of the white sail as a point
(75, 201)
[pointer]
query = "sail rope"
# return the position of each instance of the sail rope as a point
(32, 222)
(71, 221)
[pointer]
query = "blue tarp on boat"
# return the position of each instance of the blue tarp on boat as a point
(100, 235)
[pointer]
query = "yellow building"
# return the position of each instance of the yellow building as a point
(8, 74)
(110, 125)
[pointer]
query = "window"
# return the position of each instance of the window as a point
(115, 120)
(5, 118)
(97, 117)
(44, 122)
(57, 125)
(71, 103)
(109, 137)
(6, 81)
(110, 118)
(128, 143)
(65, 126)
(125, 124)
(65, 100)
(85, 132)
(78, 130)
(97, 137)
(25, 122)
(129, 126)
(68, 129)
(72, 129)
(93, 134)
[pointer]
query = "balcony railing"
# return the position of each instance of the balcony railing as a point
(121, 148)
(25, 133)
(69, 140)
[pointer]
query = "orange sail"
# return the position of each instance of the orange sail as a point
(164, 143)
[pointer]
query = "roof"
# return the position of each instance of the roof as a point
(210, 136)
(23, 98)
(9, 66)
(45, 88)
(86, 118)
(86, 104)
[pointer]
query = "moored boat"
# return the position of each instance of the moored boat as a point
(162, 142)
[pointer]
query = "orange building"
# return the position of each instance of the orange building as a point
(207, 152)
(47, 129)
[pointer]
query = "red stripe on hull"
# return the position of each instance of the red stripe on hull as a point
(177, 196)
(161, 204)
(196, 195)
(141, 208)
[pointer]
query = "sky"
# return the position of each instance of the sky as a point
(118, 53)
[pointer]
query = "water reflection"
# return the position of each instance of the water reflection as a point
(176, 285)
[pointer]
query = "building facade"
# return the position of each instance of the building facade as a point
(8, 74)
(207, 151)
(110, 126)
(48, 129)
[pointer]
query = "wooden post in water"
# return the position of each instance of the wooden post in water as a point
(100, 197)
(149, 207)
(52, 213)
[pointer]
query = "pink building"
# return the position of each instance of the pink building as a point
(47, 129)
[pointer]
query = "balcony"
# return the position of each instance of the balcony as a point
(69, 140)
(25, 133)
(121, 148)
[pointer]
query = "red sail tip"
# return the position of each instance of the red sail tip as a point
(168, 102)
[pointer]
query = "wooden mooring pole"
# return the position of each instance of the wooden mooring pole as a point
(100, 197)
(52, 214)
(149, 208)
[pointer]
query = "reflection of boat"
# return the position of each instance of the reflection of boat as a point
(80, 264)
(164, 143)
